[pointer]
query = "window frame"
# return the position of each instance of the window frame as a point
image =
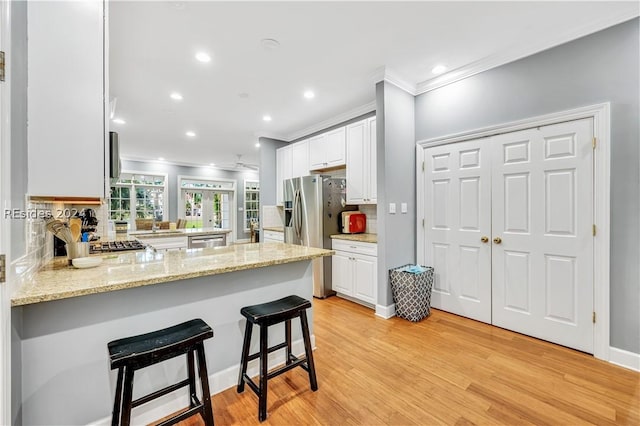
(257, 209)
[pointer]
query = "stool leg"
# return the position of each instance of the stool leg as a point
(245, 355)
(204, 381)
(127, 396)
(287, 338)
(308, 351)
(115, 415)
(192, 379)
(264, 355)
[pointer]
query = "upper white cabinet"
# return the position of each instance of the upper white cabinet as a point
(66, 102)
(361, 170)
(300, 159)
(284, 170)
(328, 149)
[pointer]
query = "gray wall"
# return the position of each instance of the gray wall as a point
(173, 171)
(396, 165)
(268, 167)
(602, 67)
(18, 77)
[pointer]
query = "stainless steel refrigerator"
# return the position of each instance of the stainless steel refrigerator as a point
(312, 207)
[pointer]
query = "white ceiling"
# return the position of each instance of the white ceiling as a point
(335, 49)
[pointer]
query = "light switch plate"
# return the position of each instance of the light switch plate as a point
(392, 208)
(403, 208)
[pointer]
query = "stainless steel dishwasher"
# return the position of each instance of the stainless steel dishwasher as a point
(204, 241)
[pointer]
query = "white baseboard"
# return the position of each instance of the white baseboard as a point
(624, 358)
(218, 382)
(386, 312)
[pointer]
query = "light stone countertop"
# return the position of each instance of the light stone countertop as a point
(57, 280)
(189, 232)
(365, 238)
(274, 228)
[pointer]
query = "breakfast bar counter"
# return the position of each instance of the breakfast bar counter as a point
(57, 280)
(63, 318)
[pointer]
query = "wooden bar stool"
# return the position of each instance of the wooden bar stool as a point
(265, 315)
(136, 352)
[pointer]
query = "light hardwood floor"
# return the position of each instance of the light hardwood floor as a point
(442, 370)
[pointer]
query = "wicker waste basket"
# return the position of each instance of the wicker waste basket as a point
(411, 288)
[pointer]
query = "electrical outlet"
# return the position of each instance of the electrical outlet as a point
(392, 208)
(403, 208)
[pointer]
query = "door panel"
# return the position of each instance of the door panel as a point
(458, 197)
(542, 210)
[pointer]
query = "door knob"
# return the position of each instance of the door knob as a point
(497, 240)
(484, 239)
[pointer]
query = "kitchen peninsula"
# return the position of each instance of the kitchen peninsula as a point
(64, 317)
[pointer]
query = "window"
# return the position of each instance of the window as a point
(137, 196)
(206, 203)
(251, 203)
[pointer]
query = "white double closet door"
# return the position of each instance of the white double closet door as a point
(509, 230)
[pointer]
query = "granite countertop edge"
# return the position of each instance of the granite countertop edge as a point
(29, 297)
(365, 238)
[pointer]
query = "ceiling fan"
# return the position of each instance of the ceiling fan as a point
(240, 165)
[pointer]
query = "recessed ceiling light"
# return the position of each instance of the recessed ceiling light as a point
(160, 158)
(266, 118)
(176, 96)
(243, 95)
(270, 43)
(309, 94)
(191, 134)
(257, 144)
(439, 69)
(212, 164)
(203, 57)
(119, 121)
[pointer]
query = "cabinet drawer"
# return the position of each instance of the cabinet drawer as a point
(274, 236)
(369, 249)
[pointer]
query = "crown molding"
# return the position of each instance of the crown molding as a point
(519, 52)
(270, 135)
(340, 118)
(391, 76)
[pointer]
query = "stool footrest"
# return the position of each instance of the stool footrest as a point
(182, 416)
(159, 393)
(271, 349)
(297, 362)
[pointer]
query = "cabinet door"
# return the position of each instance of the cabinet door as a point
(355, 173)
(372, 177)
(66, 99)
(356, 146)
(365, 278)
(342, 273)
(300, 159)
(335, 151)
(317, 152)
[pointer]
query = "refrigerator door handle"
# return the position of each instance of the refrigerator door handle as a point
(297, 214)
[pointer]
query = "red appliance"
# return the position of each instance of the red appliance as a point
(354, 222)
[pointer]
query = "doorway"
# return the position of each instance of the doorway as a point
(508, 227)
(207, 203)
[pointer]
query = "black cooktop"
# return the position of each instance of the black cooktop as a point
(111, 246)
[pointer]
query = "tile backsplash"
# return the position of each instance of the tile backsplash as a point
(372, 217)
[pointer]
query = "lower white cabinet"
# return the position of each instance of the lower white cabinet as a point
(273, 236)
(355, 270)
(166, 243)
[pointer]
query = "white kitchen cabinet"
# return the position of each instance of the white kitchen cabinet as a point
(354, 270)
(300, 159)
(328, 150)
(361, 170)
(284, 170)
(273, 236)
(166, 243)
(66, 102)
